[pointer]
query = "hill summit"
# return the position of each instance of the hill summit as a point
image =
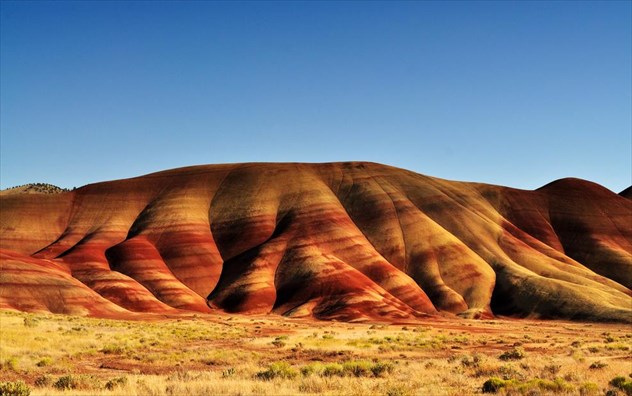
(34, 188)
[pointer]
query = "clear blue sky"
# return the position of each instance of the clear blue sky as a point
(512, 93)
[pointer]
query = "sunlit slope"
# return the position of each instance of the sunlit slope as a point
(346, 241)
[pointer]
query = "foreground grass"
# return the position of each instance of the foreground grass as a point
(211, 354)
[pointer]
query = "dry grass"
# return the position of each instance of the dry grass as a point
(212, 354)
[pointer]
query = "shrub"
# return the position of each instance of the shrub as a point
(357, 368)
(351, 368)
(493, 385)
(30, 322)
(622, 384)
(10, 364)
(112, 349)
(44, 381)
(473, 362)
(229, 372)
(617, 381)
(333, 369)
(514, 354)
(46, 361)
(588, 388)
(558, 385)
(66, 382)
(17, 388)
(278, 343)
(115, 383)
(381, 368)
(597, 365)
(315, 368)
(277, 370)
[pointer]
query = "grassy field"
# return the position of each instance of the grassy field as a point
(239, 355)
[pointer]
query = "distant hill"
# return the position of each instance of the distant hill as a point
(347, 241)
(34, 188)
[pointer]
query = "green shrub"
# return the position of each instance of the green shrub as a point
(314, 368)
(514, 354)
(621, 383)
(617, 381)
(333, 369)
(46, 361)
(10, 364)
(17, 388)
(111, 349)
(351, 368)
(493, 385)
(277, 370)
(381, 368)
(357, 368)
(66, 382)
(557, 385)
(597, 365)
(588, 388)
(278, 343)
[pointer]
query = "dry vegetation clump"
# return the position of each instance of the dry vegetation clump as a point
(513, 354)
(216, 354)
(15, 388)
(623, 384)
(559, 385)
(277, 370)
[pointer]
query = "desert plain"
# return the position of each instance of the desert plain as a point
(273, 355)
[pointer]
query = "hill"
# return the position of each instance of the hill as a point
(346, 241)
(34, 188)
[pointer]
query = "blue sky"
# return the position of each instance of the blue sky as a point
(511, 93)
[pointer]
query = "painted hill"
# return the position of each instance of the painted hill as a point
(34, 188)
(345, 241)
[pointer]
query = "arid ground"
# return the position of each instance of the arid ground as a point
(271, 355)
